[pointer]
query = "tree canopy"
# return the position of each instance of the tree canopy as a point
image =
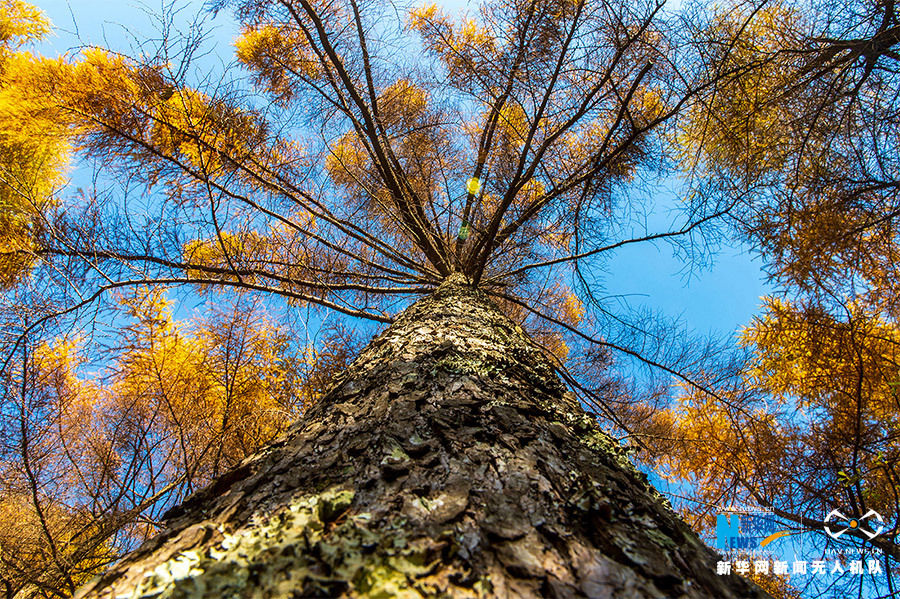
(356, 153)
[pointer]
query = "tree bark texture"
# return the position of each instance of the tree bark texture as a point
(448, 460)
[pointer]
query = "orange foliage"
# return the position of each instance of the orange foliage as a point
(181, 402)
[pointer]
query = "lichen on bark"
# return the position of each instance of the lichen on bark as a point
(448, 460)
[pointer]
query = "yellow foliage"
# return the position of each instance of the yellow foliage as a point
(705, 443)
(20, 23)
(809, 355)
(102, 100)
(222, 384)
(402, 107)
(402, 104)
(208, 135)
(348, 161)
(23, 533)
(33, 144)
(248, 252)
(418, 143)
(573, 309)
(816, 386)
(581, 145)
(646, 105)
(422, 16)
(553, 342)
(101, 75)
(181, 402)
(512, 126)
(278, 55)
(531, 191)
(741, 126)
(563, 304)
(56, 366)
(463, 48)
(470, 35)
(557, 238)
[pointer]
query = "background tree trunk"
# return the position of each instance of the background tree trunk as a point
(447, 460)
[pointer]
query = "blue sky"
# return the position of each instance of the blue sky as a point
(718, 299)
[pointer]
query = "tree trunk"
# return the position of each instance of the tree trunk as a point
(448, 460)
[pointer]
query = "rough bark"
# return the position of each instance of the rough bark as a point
(448, 460)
